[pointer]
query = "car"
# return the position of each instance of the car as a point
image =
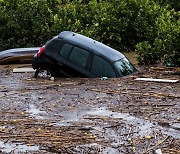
(18, 55)
(71, 54)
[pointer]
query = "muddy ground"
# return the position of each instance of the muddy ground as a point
(76, 115)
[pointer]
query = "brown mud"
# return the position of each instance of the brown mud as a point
(77, 115)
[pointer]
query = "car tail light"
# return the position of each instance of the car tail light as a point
(40, 51)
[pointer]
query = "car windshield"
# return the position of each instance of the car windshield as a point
(124, 67)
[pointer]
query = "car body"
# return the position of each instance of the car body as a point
(72, 54)
(17, 55)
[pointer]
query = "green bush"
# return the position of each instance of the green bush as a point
(165, 44)
(146, 53)
(24, 23)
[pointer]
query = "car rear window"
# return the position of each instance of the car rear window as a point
(102, 68)
(79, 56)
(65, 50)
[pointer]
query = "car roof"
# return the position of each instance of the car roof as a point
(95, 46)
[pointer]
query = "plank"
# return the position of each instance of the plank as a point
(156, 80)
(23, 70)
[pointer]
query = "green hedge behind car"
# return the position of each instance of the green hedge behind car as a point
(150, 27)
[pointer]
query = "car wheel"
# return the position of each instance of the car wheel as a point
(44, 73)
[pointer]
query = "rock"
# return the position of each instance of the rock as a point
(158, 151)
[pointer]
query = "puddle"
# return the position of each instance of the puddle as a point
(73, 115)
(176, 126)
(144, 127)
(16, 148)
(35, 112)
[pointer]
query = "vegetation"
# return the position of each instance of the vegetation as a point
(150, 27)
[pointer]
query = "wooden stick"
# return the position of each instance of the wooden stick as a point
(129, 132)
(146, 151)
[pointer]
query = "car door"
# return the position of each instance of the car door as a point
(101, 67)
(78, 59)
(74, 59)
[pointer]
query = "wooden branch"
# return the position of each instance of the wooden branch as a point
(146, 151)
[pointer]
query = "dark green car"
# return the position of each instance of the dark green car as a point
(72, 54)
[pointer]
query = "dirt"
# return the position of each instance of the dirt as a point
(78, 115)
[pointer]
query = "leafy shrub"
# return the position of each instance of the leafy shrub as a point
(146, 54)
(24, 23)
(165, 44)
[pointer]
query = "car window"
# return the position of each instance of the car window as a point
(65, 50)
(124, 67)
(79, 56)
(102, 68)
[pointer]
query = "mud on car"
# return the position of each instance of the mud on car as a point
(71, 54)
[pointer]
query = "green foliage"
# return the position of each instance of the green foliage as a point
(24, 23)
(150, 27)
(165, 43)
(146, 53)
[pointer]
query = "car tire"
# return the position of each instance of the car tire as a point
(44, 72)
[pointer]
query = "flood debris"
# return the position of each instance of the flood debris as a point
(104, 78)
(23, 70)
(147, 94)
(34, 112)
(160, 142)
(9, 147)
(156, 80)
(77, 115)
(158, 151)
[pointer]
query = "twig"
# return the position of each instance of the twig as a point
(129, 132)
(155, 145)
(113, 126)
(155, 134)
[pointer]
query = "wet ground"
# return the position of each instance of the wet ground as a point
(76, 115)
